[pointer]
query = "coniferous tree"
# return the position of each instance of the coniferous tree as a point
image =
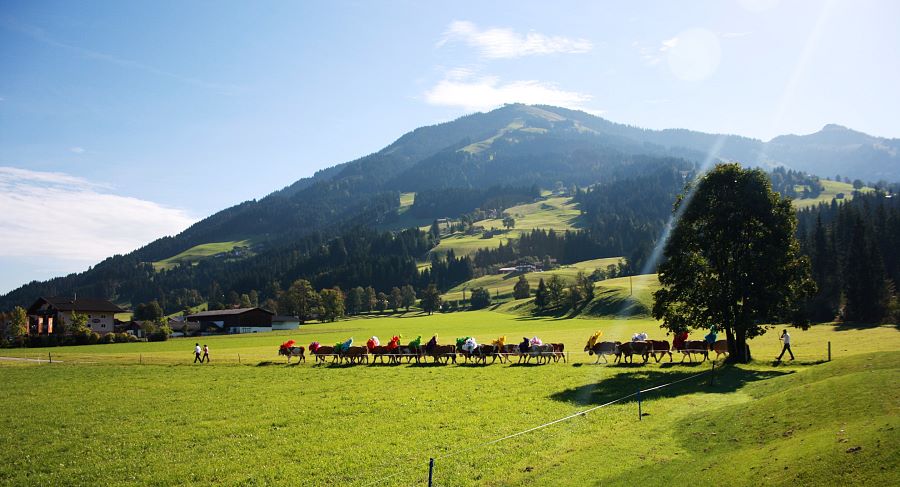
(540, 296)
(865, 286)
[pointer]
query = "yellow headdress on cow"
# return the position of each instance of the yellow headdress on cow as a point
(593, 340)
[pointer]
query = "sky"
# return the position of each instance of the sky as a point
(121, 122)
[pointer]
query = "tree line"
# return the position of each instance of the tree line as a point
(852, 246)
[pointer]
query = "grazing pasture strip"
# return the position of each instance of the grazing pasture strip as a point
(529, 430)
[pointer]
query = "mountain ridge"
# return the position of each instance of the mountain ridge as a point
(517, 145)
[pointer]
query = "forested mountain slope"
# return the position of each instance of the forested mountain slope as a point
(495, 159)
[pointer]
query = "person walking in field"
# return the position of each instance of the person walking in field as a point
(205, 354)
(786, 339)
(197, 351)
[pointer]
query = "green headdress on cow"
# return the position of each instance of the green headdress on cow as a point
(416, 343)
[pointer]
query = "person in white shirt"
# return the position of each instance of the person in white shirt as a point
(197, 352)
(786, 339)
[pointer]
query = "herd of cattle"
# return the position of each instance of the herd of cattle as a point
(526, 351)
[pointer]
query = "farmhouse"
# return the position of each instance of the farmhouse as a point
(285, 323)
(47, 312)
(240, 320)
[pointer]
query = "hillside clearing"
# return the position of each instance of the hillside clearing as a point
(832, 188)
(504, 283)
(199, 252)
(555, 213)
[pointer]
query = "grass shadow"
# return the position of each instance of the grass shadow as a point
(848, 326)
(727, 380)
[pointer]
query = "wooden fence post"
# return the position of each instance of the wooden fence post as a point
(829, 351)
(640, 415)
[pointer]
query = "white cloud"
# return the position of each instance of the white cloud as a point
(59, 216)
(485, 93)
(77, 150)
(498, 43)
(734, 35)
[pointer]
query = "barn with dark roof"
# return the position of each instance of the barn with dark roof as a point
(240, 320)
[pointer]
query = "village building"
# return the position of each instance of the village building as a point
(46, 314)
(240, 320)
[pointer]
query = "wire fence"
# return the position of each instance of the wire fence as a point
(821, 352)
(434, 461)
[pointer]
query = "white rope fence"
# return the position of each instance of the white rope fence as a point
(542, 426)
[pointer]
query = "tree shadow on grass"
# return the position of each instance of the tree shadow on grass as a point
(847, 326)
(726, 380)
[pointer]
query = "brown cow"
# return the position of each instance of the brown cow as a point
(509, 350)
(699, 347)
(559, 352)
(603, 349)
(628, 349)
(323, 351)
(411, 353)
(446, 352)
(355, 355)
(659, 349)
(379, 352)
(484, 351)
(720, 347)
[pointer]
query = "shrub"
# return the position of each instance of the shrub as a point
(108, 338)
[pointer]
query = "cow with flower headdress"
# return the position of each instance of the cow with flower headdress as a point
(289, 349)
(413, 350)
(440, 352)
(321, 351)
(379, 351)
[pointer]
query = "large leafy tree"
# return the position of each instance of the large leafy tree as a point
(332, 303)
(301, 300)
(732, 260)
(18, 323)
(522, 289)
(431, 299)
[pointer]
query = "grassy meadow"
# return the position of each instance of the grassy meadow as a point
(504, 283)
(141, 413)
(199, 252)
(553, 213)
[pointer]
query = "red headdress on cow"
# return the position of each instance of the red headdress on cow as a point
(288, 344)
(394, 343)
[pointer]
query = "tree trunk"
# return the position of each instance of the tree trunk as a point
(742, 350)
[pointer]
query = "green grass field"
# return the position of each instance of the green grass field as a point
(165, 421)
(555, 213)
(199, 252)
(832, 188)
(503, 283)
